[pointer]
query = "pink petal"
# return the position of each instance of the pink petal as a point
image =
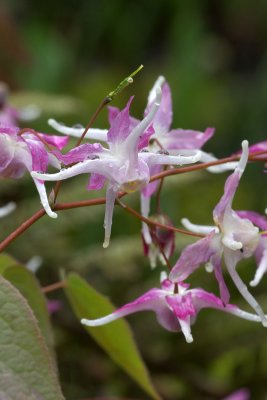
(153, 300)
(182, 305)
(58, 141)
(83, 152)
(121, 125)
(230, 187)
(186, 139)
(256, 218)
(39, 155)
(191, 258)
(151, 188)
(217, 265)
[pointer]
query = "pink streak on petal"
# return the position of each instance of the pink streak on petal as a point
(182, 305)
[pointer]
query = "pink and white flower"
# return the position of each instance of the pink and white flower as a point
(26, 152)
(175, 305)
(232, 238)
(124, 165)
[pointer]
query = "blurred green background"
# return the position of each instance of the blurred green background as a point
(65, 56)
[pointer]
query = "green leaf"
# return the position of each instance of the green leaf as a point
(115, 338)
(29, 287)
(26, 367)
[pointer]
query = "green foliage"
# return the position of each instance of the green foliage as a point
(116, 338)
(29, 287)
(26, 369)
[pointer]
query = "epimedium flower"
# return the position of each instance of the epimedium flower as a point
(233, 238)
(124, 165)
(175, 305)
(22, 151)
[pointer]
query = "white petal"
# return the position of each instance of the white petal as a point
(158, 84)
(216, 169)
(186, 329)
(230, 264)
(92, 133)
(202, 229)
(43, 197)
(262, 268)
(110, 200)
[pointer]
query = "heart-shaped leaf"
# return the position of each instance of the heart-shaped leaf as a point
(26, 368)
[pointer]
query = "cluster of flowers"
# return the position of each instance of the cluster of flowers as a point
(134, 151)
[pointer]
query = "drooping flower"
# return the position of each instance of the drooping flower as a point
(26, 151)
(234, 238)
(176, 307)
(162, 240)
(124, 165)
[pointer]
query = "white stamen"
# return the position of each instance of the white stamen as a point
(232, 244)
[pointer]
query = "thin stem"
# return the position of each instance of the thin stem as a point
(150, 222)
(54, 286)
(158, 208)
(33, 132)
(22, 228)
(103, 103)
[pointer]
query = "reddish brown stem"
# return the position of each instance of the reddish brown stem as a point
(33, 132)
(154, 236)
(150, 222)
(54, 286)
